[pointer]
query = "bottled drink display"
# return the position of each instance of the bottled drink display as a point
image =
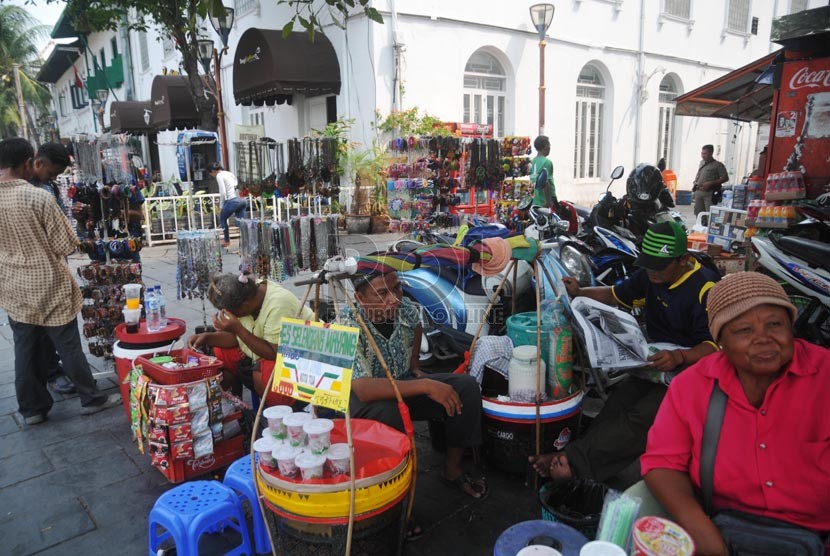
(153, 312)
(162, 307)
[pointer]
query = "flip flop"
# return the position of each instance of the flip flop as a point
(478, 486)
(413, 532)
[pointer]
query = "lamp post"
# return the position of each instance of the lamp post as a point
(222, 24)
(101, 95)
(542, 16)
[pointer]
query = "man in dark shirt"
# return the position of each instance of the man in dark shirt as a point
(50, 161)
(672, 286)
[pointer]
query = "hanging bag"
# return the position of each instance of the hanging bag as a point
(747, 534)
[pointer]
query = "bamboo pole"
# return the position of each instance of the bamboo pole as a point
(538, 366)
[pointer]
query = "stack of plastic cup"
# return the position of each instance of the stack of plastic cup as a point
(132, 293)
(294, 425)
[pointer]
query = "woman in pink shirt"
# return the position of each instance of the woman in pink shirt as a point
(773, 456)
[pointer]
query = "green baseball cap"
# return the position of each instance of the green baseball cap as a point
(663, 242)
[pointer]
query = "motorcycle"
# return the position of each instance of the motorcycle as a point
(799, 258)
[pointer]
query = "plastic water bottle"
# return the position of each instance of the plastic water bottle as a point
(162, 307)
(153, 312)
(560, 348)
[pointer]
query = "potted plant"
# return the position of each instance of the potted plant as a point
(367, 169)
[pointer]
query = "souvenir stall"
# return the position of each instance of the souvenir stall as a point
(516, 162)
(422, 175)
(103, 192)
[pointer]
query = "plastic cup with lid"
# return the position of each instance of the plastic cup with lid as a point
(132, 318)
(285, 456)
(264, 447)
(275, 414)
(538, 550)
(294, 425)
(601, 548)
(318, 432)
(311, 465)
(132, 293)
(338, 459)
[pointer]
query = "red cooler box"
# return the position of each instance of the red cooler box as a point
(130, 346)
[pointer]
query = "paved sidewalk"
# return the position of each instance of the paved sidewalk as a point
(78, 485)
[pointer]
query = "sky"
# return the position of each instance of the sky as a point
(47, 14)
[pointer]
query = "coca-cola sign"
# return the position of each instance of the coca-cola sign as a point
(804, 78)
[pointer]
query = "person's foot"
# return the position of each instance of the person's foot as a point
(474, 488)
(111, 401)
(34, 419)
(62, 384)
(226, 244)
(553, 465)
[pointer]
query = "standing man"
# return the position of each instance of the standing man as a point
(36, 288)
(50, 162)
(711, 174)
(229, 199)
(546, 195)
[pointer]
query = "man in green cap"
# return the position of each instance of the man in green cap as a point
(672, 287)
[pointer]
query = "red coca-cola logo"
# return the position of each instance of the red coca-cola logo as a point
(804, 78)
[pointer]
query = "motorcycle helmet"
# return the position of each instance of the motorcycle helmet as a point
(645, 182)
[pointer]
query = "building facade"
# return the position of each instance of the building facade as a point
(612, 69)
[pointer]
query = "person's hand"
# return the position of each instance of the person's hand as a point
(445, 395)
(572, 286)
(226, 322)
(666, 360)
(199, 342)
(710, 545)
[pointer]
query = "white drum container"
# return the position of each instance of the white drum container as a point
(521, 375)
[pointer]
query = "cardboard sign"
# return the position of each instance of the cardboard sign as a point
(314, 362)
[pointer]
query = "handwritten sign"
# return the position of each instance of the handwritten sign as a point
(314, 362)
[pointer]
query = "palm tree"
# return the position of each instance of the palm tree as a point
(18, 45)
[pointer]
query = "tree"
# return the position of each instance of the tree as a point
(182, 20)
(338, 11)
(18, 45)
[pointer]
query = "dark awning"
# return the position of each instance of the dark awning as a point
(60, 59)
(172, 104)
(131, 117)
(269, 69)
(737, 95)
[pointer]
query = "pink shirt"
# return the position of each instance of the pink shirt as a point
(773, 461)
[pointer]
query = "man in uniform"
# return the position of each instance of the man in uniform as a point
(711, 174)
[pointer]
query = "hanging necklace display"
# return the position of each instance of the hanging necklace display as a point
(199, 258)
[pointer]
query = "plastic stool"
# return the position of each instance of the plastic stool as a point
(191, 509)
(239, 477)
(563, 538)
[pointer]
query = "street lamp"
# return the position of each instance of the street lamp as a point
(101, 95)
(222, 24)
(542, 16)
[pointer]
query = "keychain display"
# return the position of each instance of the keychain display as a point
(104, 300)
(199, 256)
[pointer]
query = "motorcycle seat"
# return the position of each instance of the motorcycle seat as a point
(815, 253)
(455, 276)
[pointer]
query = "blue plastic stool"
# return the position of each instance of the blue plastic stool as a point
(568, 539)
(239, 477)
(191, 509)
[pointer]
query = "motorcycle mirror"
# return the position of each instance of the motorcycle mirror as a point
(561, 225)
(542, 179)
(525, 203)
(617, 172)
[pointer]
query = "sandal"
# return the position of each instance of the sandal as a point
(474, 488)
(413, 532)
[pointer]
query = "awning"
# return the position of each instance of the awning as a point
(62, 57)
(172, 104)
(737, 95)
(131, 117)
(269, 69)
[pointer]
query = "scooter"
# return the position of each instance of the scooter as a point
(800, 259)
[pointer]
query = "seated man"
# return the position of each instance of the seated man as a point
(396, 328)
(673, 287)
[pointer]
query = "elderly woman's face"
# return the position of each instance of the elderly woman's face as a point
(381, 297)
(760, 341)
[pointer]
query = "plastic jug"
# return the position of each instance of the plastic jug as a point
(521, 375)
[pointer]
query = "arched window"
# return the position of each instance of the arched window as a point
(665, 130)
(590, 104)
(485, 91)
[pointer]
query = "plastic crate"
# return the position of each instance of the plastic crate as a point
(162, 375)
(224, 454)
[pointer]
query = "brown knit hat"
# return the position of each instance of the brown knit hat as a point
(737, 293)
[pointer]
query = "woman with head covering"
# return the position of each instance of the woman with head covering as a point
(773, 454)
(248, 324)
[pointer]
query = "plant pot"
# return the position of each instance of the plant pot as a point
(380, 224)
(356, 224)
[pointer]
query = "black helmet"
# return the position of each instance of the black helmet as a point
(644, 184)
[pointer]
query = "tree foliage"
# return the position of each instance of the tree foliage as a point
(309, 14)
(19, 33)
